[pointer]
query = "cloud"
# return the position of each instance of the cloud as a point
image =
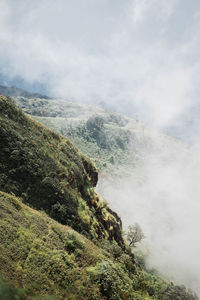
(139, 57)
(162, 195)
(108, 51)
(142, 8)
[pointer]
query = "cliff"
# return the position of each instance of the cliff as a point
(49, 173)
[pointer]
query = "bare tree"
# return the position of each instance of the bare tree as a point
(134, 234)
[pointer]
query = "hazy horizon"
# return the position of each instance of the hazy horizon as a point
(136, 56)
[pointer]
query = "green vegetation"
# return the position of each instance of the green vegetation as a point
(102, 135)
(40, 256)
(58, 238)
(43, 256)
(117, 144)
(8, 292)
(48, 172)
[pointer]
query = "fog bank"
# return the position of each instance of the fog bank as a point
(163, 197)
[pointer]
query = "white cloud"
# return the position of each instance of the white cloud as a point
(96, 52)
(160, 8)
(163, 197)
(140, 55)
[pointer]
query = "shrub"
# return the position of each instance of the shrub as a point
(114, 281)
(177, 292)
(8, 292)
(127, 262)
(112, 248)
(72, 242)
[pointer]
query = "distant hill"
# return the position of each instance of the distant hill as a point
(14, 91)
(116, 143)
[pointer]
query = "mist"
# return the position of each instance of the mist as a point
(138, 57)
(162, 195)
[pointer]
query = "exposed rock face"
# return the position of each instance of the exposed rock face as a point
(91, 171)
(111, 221)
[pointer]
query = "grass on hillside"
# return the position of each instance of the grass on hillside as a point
(48, 172)
(41, 256)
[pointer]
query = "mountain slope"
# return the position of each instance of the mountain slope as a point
(102, 135)
(45, 257)
(117, 144)
(48, 172)
(38, 253)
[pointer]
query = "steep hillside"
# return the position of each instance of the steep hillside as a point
(43, 257)
(48, 172)
(102, 135)
(40, 256)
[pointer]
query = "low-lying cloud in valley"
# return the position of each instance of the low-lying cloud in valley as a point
(162, 195)
(139, 57)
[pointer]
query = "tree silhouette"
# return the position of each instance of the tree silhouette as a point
(134, 234)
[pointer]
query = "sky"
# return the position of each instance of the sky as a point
(139, 57)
